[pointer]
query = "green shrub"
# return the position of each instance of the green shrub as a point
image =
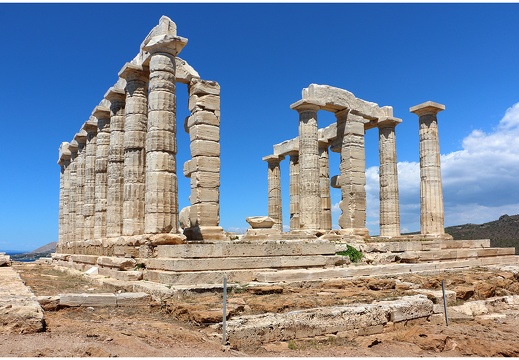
(354, 254)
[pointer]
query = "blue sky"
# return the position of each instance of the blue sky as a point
(59, 59)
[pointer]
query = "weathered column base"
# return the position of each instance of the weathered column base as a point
(205, 233)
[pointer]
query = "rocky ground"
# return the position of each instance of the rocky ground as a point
(181, 327)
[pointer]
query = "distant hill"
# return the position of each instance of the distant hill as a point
(503, 232)
(49, 248)
(43, 251)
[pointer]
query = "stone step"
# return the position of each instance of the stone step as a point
(238, 263)
(453, 254)
(402, 246)
(200, 277)
(353, 271)
(226, 249)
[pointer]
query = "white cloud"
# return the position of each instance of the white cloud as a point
(479, 182)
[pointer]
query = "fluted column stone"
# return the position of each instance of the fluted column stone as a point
(64, 185)
(102, 114)
(274, 191)
(135, 128)
(115, 168)
(73, 148)
(161, 212)
(89, 188)
(324, 185)
(388, 178)
(350, 129)
(431, 193)
(309, 188)
(81, 138)
(294, 190)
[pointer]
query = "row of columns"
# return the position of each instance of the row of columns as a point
(310, 203)
(118, 175)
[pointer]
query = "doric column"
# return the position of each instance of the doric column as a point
(294, 190)
(203, 126)
(431, 195)
(90, 179)
(73, 147)
(274, 191)
(161, 211)
(324, 185)
(115, 173)
(101, 167)
(135, 127)
(388, 178)
(309, 189)
(81, 138)
(63, 162)
(350, 129)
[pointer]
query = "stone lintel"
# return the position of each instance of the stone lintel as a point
(273, 158)
(132, 71)
(165, 43)
(323, 143)
(427, 108)
(81, 136)
(101, 112)
(388, 121)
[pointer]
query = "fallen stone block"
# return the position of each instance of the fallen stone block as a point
(132, 299)
(75, 300)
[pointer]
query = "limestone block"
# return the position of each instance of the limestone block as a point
(203, 87)
(203, 164)
(134, 140)
(160, 161)
(202, 117)
(132, 299)
(160, 101)
(184, 72)
(206, 232)
(161, 140)
(260, 222)
(206, 214)
(74, 300)
(183, 218)
(205, 179)
(204, 148)
(167, 239)
(116, 262)
(204, 102)
(5, 260)
(201, 195)
(204, 132)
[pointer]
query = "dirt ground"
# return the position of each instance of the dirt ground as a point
(181, 328)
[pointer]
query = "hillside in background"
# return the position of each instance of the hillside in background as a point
(503, 232)
(43, 251)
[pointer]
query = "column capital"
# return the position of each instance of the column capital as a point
(63, 153)
(304, 105)
(388, 122)
(165, 43)
(427, 108)
(101, 112)
(131, 72)
(73, 146)
(90, 125)
(273, 159)
(114, 94)
(81, 136)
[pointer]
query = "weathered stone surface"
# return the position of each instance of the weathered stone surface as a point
(5, 260)
(119, 263)
(202, 117)
(20, 312)
(204, 132)
(183, 218)
(260, 222)
(274, 191)
(167, 239)
(204, 102)
(132, 299)
(74, 300)
(202, 164)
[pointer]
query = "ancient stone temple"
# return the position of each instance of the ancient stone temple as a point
(118, 173)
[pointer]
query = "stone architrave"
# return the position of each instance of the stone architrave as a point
(431, 194)
(324, 185)
(161, 211)
(81, 138)
(64, 186)
(102, 114)
(115, 170)
(309, 188)
(388, 178)
(89, 188)
(73, 148)
(203, 126)
(294, 190)
(350, 129)
(274, 191)
(135, 128)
